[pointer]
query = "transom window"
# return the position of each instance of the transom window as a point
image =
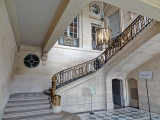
(94, 27)
(95, 9)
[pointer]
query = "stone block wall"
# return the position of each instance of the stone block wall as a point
(153, 85)
(7, 56)
(38, 79)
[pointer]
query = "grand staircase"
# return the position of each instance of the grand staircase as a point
(74, 73)
(33, 106)
(37, 106)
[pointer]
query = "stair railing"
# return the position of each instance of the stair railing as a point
(74, 73)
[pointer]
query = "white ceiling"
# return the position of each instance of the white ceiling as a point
(31, 19)
(34, 19)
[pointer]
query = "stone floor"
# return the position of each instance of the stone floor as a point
(120, 114)
(117, 106)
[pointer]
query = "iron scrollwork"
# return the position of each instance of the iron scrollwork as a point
(71, 74)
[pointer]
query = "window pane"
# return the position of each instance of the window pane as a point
(71, 24)
(75, 20)
(75, 35)
(94, 27)
(93, 37)
(65, 33)
(71, 34)
(75, 25)
(75, 30)
(71, 29)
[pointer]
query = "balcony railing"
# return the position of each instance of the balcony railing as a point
(71, 74)
(72, 42)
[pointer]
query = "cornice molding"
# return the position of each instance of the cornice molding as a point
(55, 20)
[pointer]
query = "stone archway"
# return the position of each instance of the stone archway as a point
(133, 93)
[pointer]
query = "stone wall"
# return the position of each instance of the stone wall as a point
(133, 93)
(39, 79)
(77, 98)
(153, 85)
(127, 20)
(7, 56)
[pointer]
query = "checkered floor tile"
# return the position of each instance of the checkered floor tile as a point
(120, 114)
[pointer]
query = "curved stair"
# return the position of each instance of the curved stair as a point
(74, 73)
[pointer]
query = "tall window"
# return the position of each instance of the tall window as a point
(94, 27)
(72, 29)
(71, 33)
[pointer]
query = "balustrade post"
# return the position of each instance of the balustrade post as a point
(55, 99)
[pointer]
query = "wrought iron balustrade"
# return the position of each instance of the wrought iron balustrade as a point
(72, 42)
(71, 74)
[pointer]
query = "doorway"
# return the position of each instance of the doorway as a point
(133, 93)
(117, 93)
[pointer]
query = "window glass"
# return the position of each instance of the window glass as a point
(95, 9)
(73, 32)
(31, 61)
(94, 27)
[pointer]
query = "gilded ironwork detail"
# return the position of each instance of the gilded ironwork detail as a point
(71, 74)
(56, 100)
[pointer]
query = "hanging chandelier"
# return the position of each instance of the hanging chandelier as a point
(103, 34)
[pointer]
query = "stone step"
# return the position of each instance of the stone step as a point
(27, 110)
(38, 106)
(28, 95)
(24, 103)
(27, 98)
(47, 92)
(26, 113)
(41, 116)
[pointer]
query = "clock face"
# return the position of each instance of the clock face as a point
(95, 9)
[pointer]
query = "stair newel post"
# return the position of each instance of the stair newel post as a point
(56, 99)
(53, 87)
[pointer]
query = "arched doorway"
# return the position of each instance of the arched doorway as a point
(133, 93)
(117, 93)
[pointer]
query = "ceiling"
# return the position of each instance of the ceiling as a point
(34, 17)
(42, 22)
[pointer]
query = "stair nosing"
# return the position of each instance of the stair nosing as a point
(25, 99)
(26, 113)
(46, 117)
(23, 103)
(8, 109)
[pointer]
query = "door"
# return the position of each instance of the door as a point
(117, 92)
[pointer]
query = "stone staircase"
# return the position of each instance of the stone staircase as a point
(32, 106)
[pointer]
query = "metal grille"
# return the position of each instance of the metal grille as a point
(31, 61)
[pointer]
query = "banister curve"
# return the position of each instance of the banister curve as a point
(71, 74)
